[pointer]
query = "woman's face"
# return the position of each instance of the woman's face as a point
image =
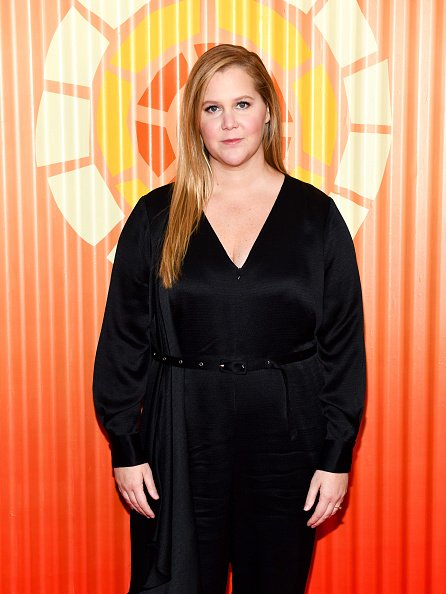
(233, 118)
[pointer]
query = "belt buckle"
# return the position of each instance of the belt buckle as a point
(237, 366)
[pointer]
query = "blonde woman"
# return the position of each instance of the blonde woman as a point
(230, 370)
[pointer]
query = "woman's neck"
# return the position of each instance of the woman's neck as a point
(247, 175)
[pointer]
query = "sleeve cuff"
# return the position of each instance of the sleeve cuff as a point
(127, 450)
(336, 456)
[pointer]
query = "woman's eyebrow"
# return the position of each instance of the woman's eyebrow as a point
(236, 99)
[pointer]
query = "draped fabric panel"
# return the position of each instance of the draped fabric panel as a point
(89, 102)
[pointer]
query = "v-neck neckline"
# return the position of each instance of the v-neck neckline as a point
(259, 235)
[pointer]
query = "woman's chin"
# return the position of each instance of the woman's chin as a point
(234, 160)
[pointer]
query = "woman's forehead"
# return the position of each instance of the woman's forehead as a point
(230, 81)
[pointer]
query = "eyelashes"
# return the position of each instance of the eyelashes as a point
(240, 105)
(211, 109)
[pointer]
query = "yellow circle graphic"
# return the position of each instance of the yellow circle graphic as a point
(107, 121)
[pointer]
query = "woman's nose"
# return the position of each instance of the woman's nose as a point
(229, 121)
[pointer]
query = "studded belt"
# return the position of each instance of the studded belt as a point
(238, 366)
(242, 366)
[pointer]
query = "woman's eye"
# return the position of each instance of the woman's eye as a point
(211, 108)
(243, 104)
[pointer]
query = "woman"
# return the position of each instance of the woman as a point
(230, 369)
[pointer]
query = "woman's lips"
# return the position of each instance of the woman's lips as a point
(232, 141)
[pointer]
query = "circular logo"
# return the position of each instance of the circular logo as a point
(114, 74)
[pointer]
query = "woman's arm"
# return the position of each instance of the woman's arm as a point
(342, 355)
(341, 345)
(122, 359)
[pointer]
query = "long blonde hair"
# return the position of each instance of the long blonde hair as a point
(193, 184)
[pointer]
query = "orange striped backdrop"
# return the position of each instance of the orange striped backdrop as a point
(88, 107)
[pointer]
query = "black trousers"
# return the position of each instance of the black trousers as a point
(249, 483)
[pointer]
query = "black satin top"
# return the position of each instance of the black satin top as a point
(271, 305)
(298, 287)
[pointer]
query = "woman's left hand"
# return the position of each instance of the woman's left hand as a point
(332, 487)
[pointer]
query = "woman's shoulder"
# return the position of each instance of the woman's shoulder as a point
(313, 205)
(306, 199)
(304, 190)
(146, 215)
(157, 201)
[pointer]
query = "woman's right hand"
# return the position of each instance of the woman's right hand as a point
(130, 481)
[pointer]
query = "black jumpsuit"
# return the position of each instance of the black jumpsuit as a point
(254, 439)
(249, 478)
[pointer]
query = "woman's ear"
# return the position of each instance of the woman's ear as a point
(267, 116)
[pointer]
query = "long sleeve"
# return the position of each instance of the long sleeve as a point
(341, 345)
(121, 363)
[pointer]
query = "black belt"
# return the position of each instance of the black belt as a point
(242, 366)
(239, 366)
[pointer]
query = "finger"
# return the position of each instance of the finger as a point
(150, 484)
(337, 507)
(322, 512)
(132, 507)
(126, 498)
(322, 520)
(328, 507)
(317, 514)
(143, 503)
(128, 502)
(311, 497)
(324, 516)
(135, 504)
(130, 499)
